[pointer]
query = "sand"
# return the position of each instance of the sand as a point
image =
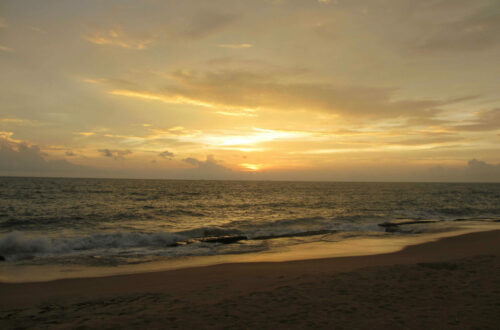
(451, 283)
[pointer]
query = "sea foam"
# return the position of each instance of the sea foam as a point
(18, 244)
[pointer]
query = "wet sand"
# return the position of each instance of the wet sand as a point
(450, 283)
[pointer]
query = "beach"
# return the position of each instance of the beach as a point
(266, 164)
(450, 283)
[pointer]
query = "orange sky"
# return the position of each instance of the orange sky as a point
(390, 90)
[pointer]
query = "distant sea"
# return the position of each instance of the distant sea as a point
(111, 223)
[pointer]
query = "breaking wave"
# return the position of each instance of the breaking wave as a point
(19, 244)
(16, 243)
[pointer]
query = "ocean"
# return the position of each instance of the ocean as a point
(93, 224)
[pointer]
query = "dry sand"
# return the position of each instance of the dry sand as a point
(451, 283)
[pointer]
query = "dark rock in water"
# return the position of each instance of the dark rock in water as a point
(223, 239)
(393, 226)
(392, 229)
(405, 222)
(2, 258)
(299, 234)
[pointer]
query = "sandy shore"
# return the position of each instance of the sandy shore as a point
(451, 283)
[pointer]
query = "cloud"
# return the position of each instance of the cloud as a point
(174, 99)
(11, 121)
(84, 133)
(488, 120)
(182, 27)
(243, 90)
(209, 162)
(475, 171)
(166, 154)
(423, 140)
(235, 46)
(203, 24)
(115, 154)
(117, 37)
(242, 113)
(173, 136)
(477, 31)
(483, 170)
(19, 158)
(207, 169)
(6, 49)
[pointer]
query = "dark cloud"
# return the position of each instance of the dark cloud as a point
(475, 171)
(208, 169)
(166, 154)
(210, 162)
(205, 23)
(28, 160)
(115, 154)
(476, 31)
(244, 89)
(22, 159)
(488, 120)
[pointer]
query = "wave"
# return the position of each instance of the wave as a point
(32, 220)
(402, 225)
(298, 234)
(181, 212)
(17, 243)
(305, 226)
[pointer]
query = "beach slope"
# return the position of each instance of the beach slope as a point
(450, 283)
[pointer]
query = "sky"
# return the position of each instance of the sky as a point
(347, 90)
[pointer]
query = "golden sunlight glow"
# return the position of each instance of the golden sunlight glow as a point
(12, 120)
(237, 114)
(257, 136)
(115, 37)
(172, 84)
(6, 49)
(251, 167)
(149, 96)
(84, 133)
(91, 81)
(178, 99)
(235, 46)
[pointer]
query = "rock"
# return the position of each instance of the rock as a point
(223, 239)
(299, 234)
(394, 226)
(405, 222)
(392, 229)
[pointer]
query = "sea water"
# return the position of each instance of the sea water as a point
(97, 223)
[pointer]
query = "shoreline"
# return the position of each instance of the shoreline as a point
(345, 247)
(433, 277)
(409, 254)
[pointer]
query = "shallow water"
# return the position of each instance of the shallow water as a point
(109, 223)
